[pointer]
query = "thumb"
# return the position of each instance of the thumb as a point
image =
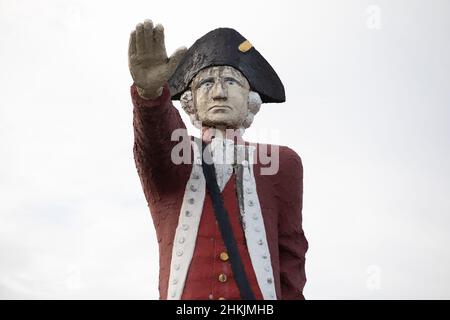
(175, 59)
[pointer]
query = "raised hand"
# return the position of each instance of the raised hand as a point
(147, 59)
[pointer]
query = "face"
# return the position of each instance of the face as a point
(220, 96)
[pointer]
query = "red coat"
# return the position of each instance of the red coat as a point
(164, 185)
(210, 260)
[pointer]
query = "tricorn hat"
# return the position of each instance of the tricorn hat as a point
(225, 46)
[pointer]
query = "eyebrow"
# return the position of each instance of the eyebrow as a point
(208, 79)
(234, 79)
(211, 79)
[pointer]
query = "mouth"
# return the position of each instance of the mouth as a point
(219, 107)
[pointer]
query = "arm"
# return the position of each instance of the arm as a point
(292, 241)
(153, 122)
(154, 116)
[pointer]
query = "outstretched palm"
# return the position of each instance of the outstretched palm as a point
(147, 58)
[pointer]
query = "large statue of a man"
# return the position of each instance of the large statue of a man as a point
(227, 213)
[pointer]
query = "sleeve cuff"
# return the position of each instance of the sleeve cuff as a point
(138, 101)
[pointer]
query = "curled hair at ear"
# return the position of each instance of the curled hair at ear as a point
(254, 104)
(187, 103)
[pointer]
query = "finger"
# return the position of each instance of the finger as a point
(175, 59)
(159, 46)
(148, 34)
(132, 44)
(140, 40)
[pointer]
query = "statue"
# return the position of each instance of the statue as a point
(228, 226)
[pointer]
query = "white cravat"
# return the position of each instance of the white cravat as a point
(223, 158)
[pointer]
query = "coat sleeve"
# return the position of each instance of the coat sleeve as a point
(291, 238)
(154, 121)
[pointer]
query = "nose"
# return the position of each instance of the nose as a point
(219, 92)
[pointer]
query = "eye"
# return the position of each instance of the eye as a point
(231, 82)
(206, 84)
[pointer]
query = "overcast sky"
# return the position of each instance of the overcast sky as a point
(368, 111)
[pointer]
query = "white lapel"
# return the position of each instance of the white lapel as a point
(187, 229)
(255, 232)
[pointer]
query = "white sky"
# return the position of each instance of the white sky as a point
(368, 110)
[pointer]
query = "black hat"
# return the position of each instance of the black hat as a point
(225, 46)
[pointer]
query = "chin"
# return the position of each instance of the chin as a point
(221, 122)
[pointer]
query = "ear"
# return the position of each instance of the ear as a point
(254, 102)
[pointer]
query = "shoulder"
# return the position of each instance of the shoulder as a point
(290, 163)
(289, 155)
(287, 161)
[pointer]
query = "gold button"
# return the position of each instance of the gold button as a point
(221, 298)
(222, 277)
(224, 256)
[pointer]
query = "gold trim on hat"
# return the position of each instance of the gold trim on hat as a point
(245, 46)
